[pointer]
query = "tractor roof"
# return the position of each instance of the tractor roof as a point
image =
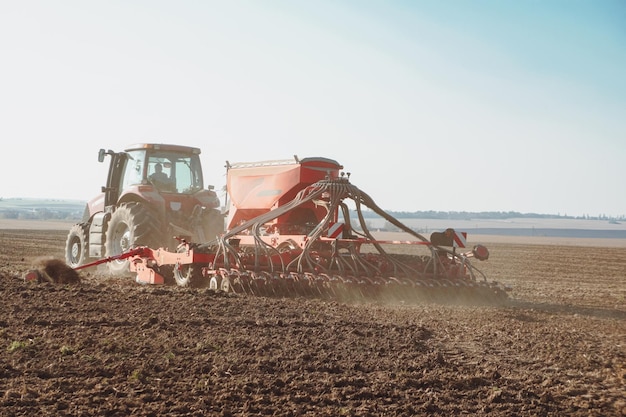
(163, 147)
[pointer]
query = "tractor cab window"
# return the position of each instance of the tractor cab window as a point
(177, 173)
(133, 171)
(160, 173)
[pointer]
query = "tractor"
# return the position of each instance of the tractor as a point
(153, 192)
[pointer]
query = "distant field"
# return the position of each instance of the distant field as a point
(527, 225)
(13, 224)
(521, 227)
(473, 238)
(24, 213)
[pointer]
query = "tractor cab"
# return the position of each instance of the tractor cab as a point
(164, 168)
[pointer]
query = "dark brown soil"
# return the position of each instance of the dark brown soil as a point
(110, 347)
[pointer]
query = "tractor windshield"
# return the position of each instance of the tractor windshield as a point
(174, 172)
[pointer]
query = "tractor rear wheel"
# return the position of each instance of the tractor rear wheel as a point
(131, 225)
(77, 245)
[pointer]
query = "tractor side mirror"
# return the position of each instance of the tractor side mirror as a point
(101, 154)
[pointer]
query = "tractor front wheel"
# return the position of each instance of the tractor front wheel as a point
(77, 245)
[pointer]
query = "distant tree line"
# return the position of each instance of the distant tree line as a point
(40, 214)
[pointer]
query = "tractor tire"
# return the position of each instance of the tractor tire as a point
(131, 225)
(77, 245)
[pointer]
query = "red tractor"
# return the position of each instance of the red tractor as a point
(153, 192)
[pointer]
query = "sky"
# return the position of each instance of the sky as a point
(429, 105)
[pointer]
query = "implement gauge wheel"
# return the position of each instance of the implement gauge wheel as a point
(188, 275)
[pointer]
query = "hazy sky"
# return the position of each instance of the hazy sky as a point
(430, 105)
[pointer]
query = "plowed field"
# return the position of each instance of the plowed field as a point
(111, 347)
